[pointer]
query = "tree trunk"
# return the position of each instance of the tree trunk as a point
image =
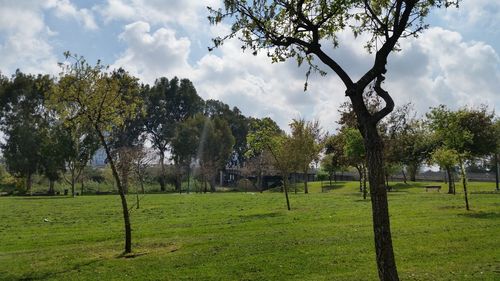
(497, 171)
(213, 181)
(29, 184)
(162, 171)
(412, 170)
(73, 182)
(450, 181)
(81, 186)
(360, 178)
(51, 187)
(285, 188)
(365, 190)
(306, 176)
(123, 198)
(464, 182)
(386, 263)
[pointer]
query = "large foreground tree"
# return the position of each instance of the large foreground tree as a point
(307, 29)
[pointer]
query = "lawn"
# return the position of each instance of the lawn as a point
(251, 236)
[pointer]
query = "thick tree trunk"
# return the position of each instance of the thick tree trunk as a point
(386, 263)
(412, 170)
(162, 170)
(51, 187)
(123, 198)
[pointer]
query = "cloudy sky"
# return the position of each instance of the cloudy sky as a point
(455, 62)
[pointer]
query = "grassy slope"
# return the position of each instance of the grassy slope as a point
(250, 236)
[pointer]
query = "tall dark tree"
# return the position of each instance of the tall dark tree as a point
(239, 125)
(22, 122)
(169, 103)
(299, 29)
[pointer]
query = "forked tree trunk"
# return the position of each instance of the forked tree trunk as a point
(123, 198)
(380, 210)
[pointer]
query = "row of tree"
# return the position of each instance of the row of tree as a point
(451, 139)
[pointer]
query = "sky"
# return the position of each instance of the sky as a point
(454, 62)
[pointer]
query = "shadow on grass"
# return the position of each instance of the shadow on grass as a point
(259, 216)
(481, 215)
(51, 275)
(41, 197)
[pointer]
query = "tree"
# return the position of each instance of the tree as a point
(89, 95)
(299, 29)
(497, 153)
(186, 142)
(355, 155)
(168, 103)
(22, 122)
(258, 139)
(468, 132)
(81, 144)
(266, 136)
(216, 144)
(446, 159)
(307, 141)
(335, 146)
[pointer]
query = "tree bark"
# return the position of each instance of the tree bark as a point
(51, 187)
(497, 171)
(306, 178)
(450, 181)
(464, 182)
(285, 188)
(29, 184)
(162, 170)
(365, 190)
(360, 178)
(73, 182)
(386, 263)
(412, 170)
(123, 198)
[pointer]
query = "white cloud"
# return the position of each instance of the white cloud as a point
(446, 70)
(150, 55)
(188, 14)
(25, 43)
(65, 9)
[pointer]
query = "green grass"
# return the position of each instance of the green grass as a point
(251, 236)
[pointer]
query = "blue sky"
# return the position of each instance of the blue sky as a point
(456, 61)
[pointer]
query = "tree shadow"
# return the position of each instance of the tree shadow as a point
(481, 215)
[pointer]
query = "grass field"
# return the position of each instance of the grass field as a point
(251, 236)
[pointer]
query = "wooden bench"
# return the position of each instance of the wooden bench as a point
(438, 187)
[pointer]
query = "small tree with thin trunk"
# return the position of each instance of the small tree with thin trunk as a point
(307, 141)
(90, 95)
